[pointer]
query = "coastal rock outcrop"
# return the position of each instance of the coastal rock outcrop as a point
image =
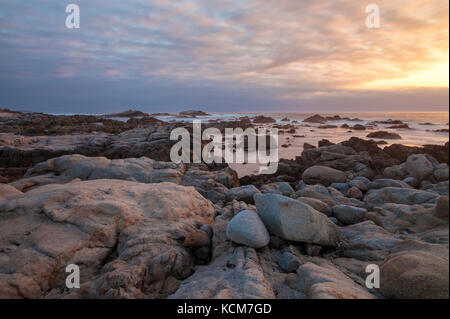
(123, 235)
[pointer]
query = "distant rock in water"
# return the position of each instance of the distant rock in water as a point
(401, 126)
(128, 113)
(263, 119)
(192, 113)
(315, 119)
(385, 135)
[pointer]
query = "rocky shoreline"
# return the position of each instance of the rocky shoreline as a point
(107, 198)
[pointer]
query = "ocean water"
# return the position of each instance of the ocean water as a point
(418, 135)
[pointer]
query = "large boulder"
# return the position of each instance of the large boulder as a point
(419, 166)
(125, 237)
(323, 175)
(246, 228)
(293, 220)
(415, 275)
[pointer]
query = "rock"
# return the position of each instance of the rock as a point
(386, 182)
(342, 187)
(441, 188)
(415, 275)
(295, 221)
(411, 181)
(335, 221)
(288, 262)
(441, 209)
(312, 249)
(313, 193)
(207, 229)
(276, 242)
(358, 184)
(323, 175)
(396, 172)
(246, 228)
(327, 282)
(363, 179)
(243, 193)
(367, 241)
(8, 191)
(441, 174)
(281, 188)
(397, 195)
(398, 218)
(316, 204)
(122, 234)
(236, 273)
(202, 254)
(419, 166)
(355, 192)
(197, 238)
(349, 215)
(315, 119)
(384, 135)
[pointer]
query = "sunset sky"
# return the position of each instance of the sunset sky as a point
(224, 55)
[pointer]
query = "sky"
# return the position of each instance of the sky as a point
(224, 56)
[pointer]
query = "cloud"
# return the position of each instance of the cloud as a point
(297, 54)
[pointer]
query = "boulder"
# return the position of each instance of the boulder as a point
(397, 195)
(246, 228)
(197, 238)
(349, 215)
(323, 175)
(296, 221)
(419, 166)
(387, 182)
(122, 234)
(441, 174)
(415, 275)
(243, 193)
(342, 187)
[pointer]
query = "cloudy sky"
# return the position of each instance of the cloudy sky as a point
(224, 55)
